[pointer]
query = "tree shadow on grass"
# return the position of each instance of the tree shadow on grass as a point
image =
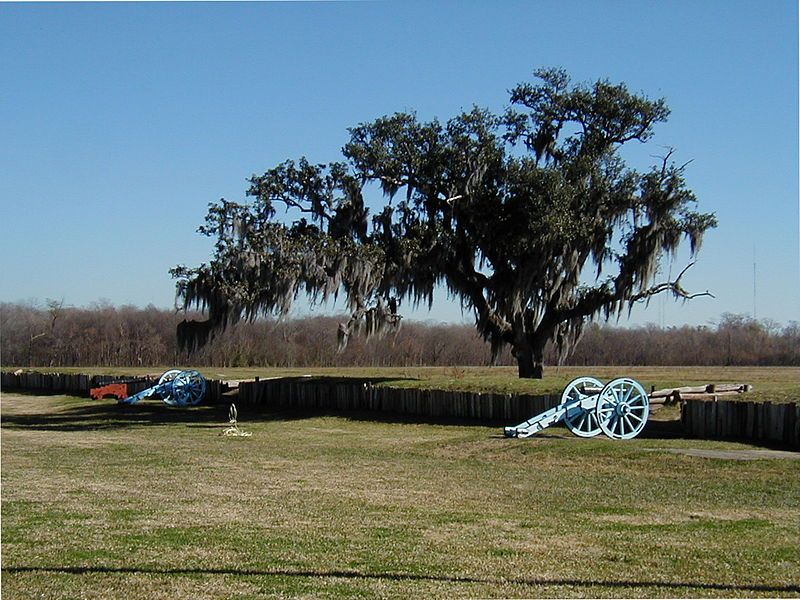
(108, 414)
(103, 415)
(348, 574)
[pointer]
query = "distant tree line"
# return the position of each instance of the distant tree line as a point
(104, 335)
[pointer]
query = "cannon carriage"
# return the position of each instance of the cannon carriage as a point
(618, 409)
(174, 387)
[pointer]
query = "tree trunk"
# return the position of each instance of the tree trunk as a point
(538, 365)
(530, 364)
(530, 358)
(524, 363)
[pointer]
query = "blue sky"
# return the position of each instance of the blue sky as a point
(121, 122)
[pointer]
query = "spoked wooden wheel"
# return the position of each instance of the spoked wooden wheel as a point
(622, 409)
(579, 420)
(188, 388)
(166, 377)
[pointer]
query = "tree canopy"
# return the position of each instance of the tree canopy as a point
(530, 218)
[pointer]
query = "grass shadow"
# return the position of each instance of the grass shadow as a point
(347, 574)
(107, 414)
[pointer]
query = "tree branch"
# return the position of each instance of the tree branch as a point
(392, 180)
(597, 298)
(471, 283)
(379, 319)
(295, 204)
(674, 286)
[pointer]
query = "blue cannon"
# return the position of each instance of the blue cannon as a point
(619, 409)
(175, 388)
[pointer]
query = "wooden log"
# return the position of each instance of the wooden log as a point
(781, 425)
(758, 422)
(788, 425)
(744, 418)
(712, 421)
(688, 420)
(750, 421)
(709, 421)
(796, 437)
(699, 418)
(519, 405)
(711, 388)
(776, 423)
(664, 400)
(731, 412)
(684, 409)
(497, 406)
(763, 411)
(389, 399)
(682, 396)
(769, 422)
(724, 416)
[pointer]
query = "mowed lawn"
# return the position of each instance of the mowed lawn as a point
(145, 501)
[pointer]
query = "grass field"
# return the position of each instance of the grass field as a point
(777, 384)
(108, 501)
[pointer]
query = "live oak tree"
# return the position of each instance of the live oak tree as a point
(530, 218)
